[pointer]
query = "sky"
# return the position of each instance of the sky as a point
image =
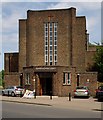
(11, 12)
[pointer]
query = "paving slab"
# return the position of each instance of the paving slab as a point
(75, 103)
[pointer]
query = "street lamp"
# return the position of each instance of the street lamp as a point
(21, 79)
(78, 79)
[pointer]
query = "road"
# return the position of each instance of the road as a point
(19, 110)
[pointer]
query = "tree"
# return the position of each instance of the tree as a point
(2, 78)
(98, 64)
(2, 74)
(102, 42)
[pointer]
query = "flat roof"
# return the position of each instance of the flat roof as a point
(51, 9)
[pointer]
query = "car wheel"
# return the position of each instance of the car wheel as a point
(3, 93)
(13, 94)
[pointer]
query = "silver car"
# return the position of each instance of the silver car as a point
(13, 91)
(81, 91)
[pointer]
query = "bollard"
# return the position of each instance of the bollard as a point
(21, 94)
(69, 96)
(50, 95)
(34, 95)
(8, 93)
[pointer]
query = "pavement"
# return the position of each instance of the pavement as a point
(62, 102)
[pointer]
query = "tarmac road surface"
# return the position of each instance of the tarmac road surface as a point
(44, 107)
(20, 110)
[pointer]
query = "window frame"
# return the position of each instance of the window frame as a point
(50, 42)
(66, 78)
(27, 78)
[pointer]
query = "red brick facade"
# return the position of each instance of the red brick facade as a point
(70, 51)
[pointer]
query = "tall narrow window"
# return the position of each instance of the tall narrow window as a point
(67, 78)
(50, 32)
(50, 43)
(46, 42)
(27, 78)
(55, 43)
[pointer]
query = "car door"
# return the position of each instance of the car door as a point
(11, 89)
(6, 90)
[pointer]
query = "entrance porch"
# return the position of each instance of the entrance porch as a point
(44, 83)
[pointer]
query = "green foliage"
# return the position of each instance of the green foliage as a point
(2, 74)
(102, 42)
(98, 65)
(2, 78)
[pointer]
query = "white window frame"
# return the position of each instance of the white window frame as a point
(46, 42)
(27, 78)
(50, 42)
(55, 43)
(66, 78)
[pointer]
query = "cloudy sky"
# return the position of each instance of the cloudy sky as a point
(11, 12)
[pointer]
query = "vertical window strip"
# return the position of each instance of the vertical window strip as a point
(50, 42)
(50, 32)
(55, 43)
(46, 42)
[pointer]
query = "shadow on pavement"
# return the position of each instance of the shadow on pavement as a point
(97, 109)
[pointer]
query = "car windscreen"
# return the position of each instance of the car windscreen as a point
(19, 87)
(82, 87)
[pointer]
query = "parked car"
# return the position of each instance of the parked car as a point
(81, 91)
(99, 93)
(13, 91)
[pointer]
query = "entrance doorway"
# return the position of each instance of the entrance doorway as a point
(45, 83)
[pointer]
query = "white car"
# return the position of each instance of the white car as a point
(81, 91)
(13, 91)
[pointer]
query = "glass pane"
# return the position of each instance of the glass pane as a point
(50, 47)
(50, 24)
(50, 42)
(50, 58)
(51, 52)
(50, 63)
(63, 78)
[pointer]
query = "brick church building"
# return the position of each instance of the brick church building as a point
(54, 54)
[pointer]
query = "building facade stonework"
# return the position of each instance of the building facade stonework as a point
(54, 55)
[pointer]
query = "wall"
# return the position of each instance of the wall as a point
(31, 72)
(11, 79)
(89, 59)
(35, 36)
(11, 62)
(79, 43)
(63, 90)
(71, 50)
(92, 84)
(22, 44)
